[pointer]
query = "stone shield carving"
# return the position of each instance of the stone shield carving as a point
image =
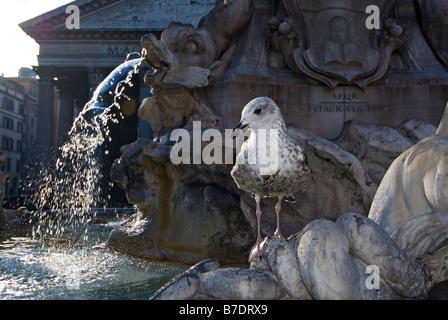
(330, 42)
(434, 23)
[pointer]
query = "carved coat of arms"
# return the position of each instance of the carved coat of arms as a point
(328, 40)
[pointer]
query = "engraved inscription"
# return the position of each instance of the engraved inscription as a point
(343, 101)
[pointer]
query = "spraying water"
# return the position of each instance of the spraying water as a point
(79, 179)
(63, 256)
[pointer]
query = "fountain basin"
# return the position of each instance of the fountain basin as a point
(74, 264)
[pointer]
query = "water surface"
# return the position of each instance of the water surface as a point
(75, 265)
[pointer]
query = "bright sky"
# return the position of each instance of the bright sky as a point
(17, 48)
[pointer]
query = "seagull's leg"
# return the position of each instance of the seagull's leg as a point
(278, 207)
(257, 249)
(258, 213)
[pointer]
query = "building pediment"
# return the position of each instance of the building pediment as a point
(112, 17)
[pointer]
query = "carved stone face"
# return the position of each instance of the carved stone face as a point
(193, 46)
(182, 56)
(186, 56)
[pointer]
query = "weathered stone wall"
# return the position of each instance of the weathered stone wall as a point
(415, 84)
(368, 113)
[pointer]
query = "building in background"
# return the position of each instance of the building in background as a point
(77, 60)
(18, 125)
(27, 78)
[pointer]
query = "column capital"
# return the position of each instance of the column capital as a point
(46, 73)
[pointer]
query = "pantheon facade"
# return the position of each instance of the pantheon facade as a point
(76, 60)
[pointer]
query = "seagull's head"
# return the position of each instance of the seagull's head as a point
(261, 113)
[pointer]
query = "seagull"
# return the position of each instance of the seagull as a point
(270, 163)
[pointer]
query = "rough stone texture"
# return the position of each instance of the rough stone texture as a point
(340, 183)
(241, 284)
(413, 86)
(175, 200)
(325, 261)
(416, 130)
(375, 147)
(287, 63)
(186, 59)
(399, 251)
(186, 285)
(186, 212)
(283, 262)
(410, 204)
(433, 15)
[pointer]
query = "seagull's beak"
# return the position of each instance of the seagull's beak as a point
(242, 126)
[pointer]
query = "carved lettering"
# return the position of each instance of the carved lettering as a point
(345, 96)
(112, 51)
(347, 108)
(122, 50)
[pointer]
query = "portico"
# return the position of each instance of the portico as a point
(77, 60)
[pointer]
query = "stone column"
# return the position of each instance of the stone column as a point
(66, 111)
(95, 77)
(44, 130)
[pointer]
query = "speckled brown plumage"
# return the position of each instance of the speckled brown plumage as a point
(288, 171)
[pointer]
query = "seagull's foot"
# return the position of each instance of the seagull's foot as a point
(257, 250)
(290, 237)
(278, 235)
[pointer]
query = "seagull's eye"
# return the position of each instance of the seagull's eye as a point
(257, 111)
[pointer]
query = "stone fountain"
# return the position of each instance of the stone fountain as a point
(357, 98)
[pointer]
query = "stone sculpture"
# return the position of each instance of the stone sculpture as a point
(186, 212)
(415, 214)
(327, 258)
(185, 59)
(319, 41)
(433, 15)
(398, 251)
(206, 198)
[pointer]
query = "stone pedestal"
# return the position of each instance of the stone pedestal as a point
(324, 111)
(412, 84)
